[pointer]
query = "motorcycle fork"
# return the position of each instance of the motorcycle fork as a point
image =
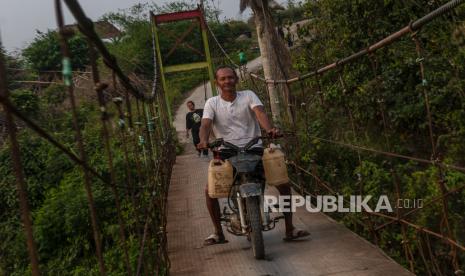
(240, 204)
(265, 213)
(265, 216)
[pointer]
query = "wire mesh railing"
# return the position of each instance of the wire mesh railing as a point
(334, 152)
(348, 142)
(122, 165)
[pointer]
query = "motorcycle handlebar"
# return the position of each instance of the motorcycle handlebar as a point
(220, 142)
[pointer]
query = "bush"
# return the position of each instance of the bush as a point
(55, 94)
(26, 101)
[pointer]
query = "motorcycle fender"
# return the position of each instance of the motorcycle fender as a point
(250, 189)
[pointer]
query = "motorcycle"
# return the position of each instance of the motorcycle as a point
(246, 215)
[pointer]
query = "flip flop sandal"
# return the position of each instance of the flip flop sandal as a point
(214, 239)
(297, 234)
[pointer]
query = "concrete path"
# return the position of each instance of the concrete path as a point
(331, 250)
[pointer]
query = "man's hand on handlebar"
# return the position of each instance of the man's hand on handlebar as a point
(273, 132)
(202, 145)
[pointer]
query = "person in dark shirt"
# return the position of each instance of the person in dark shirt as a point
(193, 119)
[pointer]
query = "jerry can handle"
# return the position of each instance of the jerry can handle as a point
(216, 157)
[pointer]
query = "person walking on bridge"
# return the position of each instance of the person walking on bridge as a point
(193, 118)
(242, 63)
(236, 116)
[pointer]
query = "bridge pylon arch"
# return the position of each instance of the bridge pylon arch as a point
(198, 20)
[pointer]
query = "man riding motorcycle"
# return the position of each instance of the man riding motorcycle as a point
(236, 116)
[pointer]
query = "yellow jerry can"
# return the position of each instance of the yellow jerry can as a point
(275, 167)
(220, 178)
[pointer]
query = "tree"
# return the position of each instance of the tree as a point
(44, 54)
(14, 72)
(276, 58)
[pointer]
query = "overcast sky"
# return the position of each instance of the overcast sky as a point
(20, 18)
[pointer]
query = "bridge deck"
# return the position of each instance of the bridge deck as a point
(331, 250)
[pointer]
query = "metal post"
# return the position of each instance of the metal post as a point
(99, 88)
(18, 169)
(78, 135)
(160, 65)
(208, 57)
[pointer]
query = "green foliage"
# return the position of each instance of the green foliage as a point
(227, 33)
(14, 72)
(62, 228)
(44, 52)
(54, 94)
(43, 168)
(26, 101)
(294, 12)
(139, 12)
(181, 83)
(134, 50)
(378, 102)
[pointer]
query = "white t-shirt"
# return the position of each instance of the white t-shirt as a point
(234, 121)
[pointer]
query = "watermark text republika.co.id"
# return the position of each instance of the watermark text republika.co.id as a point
(339, 203)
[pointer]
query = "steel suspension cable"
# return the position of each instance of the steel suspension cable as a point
(221, 47)
(391, 154)
(393, 219)
(416, 25)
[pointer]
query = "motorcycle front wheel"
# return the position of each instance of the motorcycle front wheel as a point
(256, 235)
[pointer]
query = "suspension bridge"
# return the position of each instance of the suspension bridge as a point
(168, 219)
